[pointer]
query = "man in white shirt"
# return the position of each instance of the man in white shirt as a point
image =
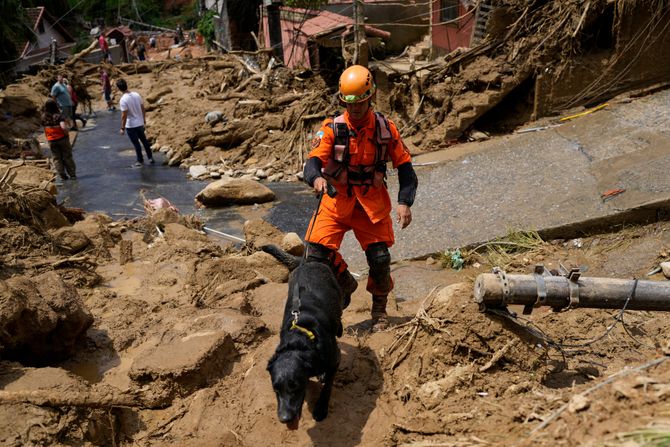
(133, 120)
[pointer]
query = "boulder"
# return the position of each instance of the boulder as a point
(191, 362)
(292, 244)
(197, 171)
(70, 240)
(41, 319)
(231, 191)
(258, 232)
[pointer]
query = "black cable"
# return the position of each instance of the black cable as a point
(609, 329)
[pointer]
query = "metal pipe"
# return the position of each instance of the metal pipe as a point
(499, 289)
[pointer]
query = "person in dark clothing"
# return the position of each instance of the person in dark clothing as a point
(75, 102)
(141, 51)
(56, 128)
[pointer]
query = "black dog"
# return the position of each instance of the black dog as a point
(307, 345)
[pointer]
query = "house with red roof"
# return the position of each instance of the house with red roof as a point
(46, 29)
(307, 38)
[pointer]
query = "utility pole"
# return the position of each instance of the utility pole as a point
(357, 37)
(360, 41)
(430, 29)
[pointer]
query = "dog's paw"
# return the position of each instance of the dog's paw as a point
(320, 411)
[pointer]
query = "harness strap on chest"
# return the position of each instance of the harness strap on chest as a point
(340, 171)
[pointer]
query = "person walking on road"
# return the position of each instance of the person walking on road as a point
(133, 121)
(75, 102)
(350, 152)
(60, 93)
(107, 89)
(56, 126)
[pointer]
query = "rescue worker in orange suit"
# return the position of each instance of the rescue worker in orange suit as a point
(350, 152)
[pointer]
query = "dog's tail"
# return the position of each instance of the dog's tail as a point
(289, 260)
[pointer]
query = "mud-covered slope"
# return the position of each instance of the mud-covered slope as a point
(183, 329)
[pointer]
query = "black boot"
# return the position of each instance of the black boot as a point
(380, 319)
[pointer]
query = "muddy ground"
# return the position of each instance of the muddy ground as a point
(173, 343)
(146, 332)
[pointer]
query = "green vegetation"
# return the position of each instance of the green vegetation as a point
(498, 252)
(12, 29)
(206, 27)
(649, 437)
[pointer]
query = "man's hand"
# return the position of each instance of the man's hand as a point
(121, 131)
(320, 185)
(404, 215)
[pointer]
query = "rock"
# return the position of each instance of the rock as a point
(41, 319)
(261, 174)
(229, 191)
(578, 402)
(478, 135)
(191, 361)
(268, 267)
(70, 240)
(175, 232)
(198, 171)
(276, 177)
(454, 295)
(215, 175)
(157, 97)
(433, 393)
(213, 117)
(665, 267)
(258, 232)
(299, 175)
(292, 244)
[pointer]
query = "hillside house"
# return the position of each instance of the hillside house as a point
(46, 29)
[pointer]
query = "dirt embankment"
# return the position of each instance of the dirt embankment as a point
(146, 331)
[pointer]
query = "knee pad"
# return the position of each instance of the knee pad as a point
(318, 253)
(379, 261)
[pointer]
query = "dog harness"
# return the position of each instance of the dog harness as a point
(339, 171)
(295, 311)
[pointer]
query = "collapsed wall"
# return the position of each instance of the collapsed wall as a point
(537, 60)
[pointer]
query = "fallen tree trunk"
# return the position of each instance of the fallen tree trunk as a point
(73, 60)
(499, 289)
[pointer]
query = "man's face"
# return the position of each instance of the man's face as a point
(60, 78)
(358, 110)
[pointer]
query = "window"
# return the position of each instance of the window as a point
(448, 10)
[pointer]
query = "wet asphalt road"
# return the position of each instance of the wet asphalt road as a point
(108, 182)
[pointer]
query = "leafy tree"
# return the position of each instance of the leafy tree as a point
(206, 26)
(13, 31)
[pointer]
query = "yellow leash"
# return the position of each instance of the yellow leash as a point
(305, 331)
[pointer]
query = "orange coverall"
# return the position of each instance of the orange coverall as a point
(367, 210)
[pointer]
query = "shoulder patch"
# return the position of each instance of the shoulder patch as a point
(317, 139)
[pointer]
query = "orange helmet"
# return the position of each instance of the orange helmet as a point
(356, 84)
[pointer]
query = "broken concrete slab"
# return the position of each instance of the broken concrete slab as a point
(190, 362)
(550, 180)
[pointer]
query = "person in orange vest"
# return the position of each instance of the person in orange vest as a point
(350, 152)
(56, 127)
